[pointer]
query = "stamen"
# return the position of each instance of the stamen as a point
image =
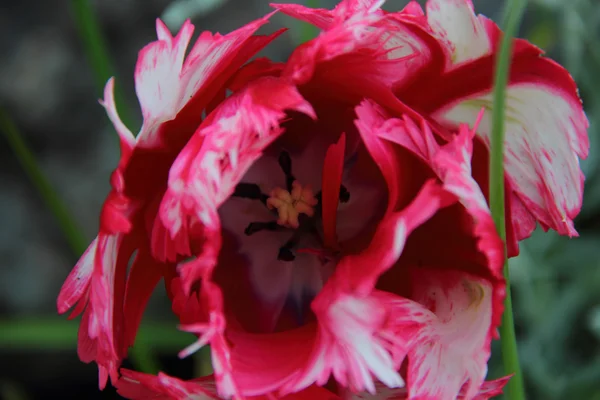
(285, 162)
(250, 191)
(290, 205)
(286, 254)
(254, 227)
(344, 194)
(285, 251)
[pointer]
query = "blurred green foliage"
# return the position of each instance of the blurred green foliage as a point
(556, 280)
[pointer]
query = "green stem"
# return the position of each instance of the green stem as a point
(513, 14)
(28, 162)
(97, 54)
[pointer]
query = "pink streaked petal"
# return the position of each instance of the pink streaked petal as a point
(546, 134)
(157, 78)
(455, 23)
(206, 171)
(453, 349)
(369, 118)
(319, 17)
(453, 164)
(359, 273)
(212, 330)
(126, 137)
(165, 83)
(253, 70)
(76, 285)
(211, 55)
(105, 325)
(488, 390)
(546, 128)
(136, 385)
(324, 19)
(279, 356)
(367, 43)
(355, 341)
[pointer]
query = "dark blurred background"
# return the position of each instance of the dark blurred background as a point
(49, 90)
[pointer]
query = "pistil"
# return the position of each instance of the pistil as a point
(289, 206)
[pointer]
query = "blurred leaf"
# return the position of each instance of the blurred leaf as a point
(179, 10)
(68, 225)
(12, 391)
(97, 54)
(543, 35)
(309, 31)
(594, 321)
(50, 333)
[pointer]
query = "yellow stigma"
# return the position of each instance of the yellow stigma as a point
(290, 205)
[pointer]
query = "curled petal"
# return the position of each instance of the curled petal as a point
(356, 340)
(360, 41)
(134, 385)
(223, 149)
(488, 390)
(75, 288)
(205, 175)
(165, 82)
(452, 164)
(456, 25)
(545, 127)
(453, 348)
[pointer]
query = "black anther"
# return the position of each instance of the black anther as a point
(286, 254)
(344, 194)
(250, 191)
(254, 227)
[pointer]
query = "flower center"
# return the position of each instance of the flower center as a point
(296, 207)
(290, 205)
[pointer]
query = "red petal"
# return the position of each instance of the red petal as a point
(143, 277)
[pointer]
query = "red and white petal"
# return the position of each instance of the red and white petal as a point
(453, 349)
(101, 333)
(545, 135)
(545, 126)
(75, 289)
(157, 78)
(134, 385)
(325, 19)
(205, 174)
(165, 82)
(455, 24)
(357, 337)
(488, 390)
(126, 137)
(232, 138)
(359, 41)
(452, 163)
